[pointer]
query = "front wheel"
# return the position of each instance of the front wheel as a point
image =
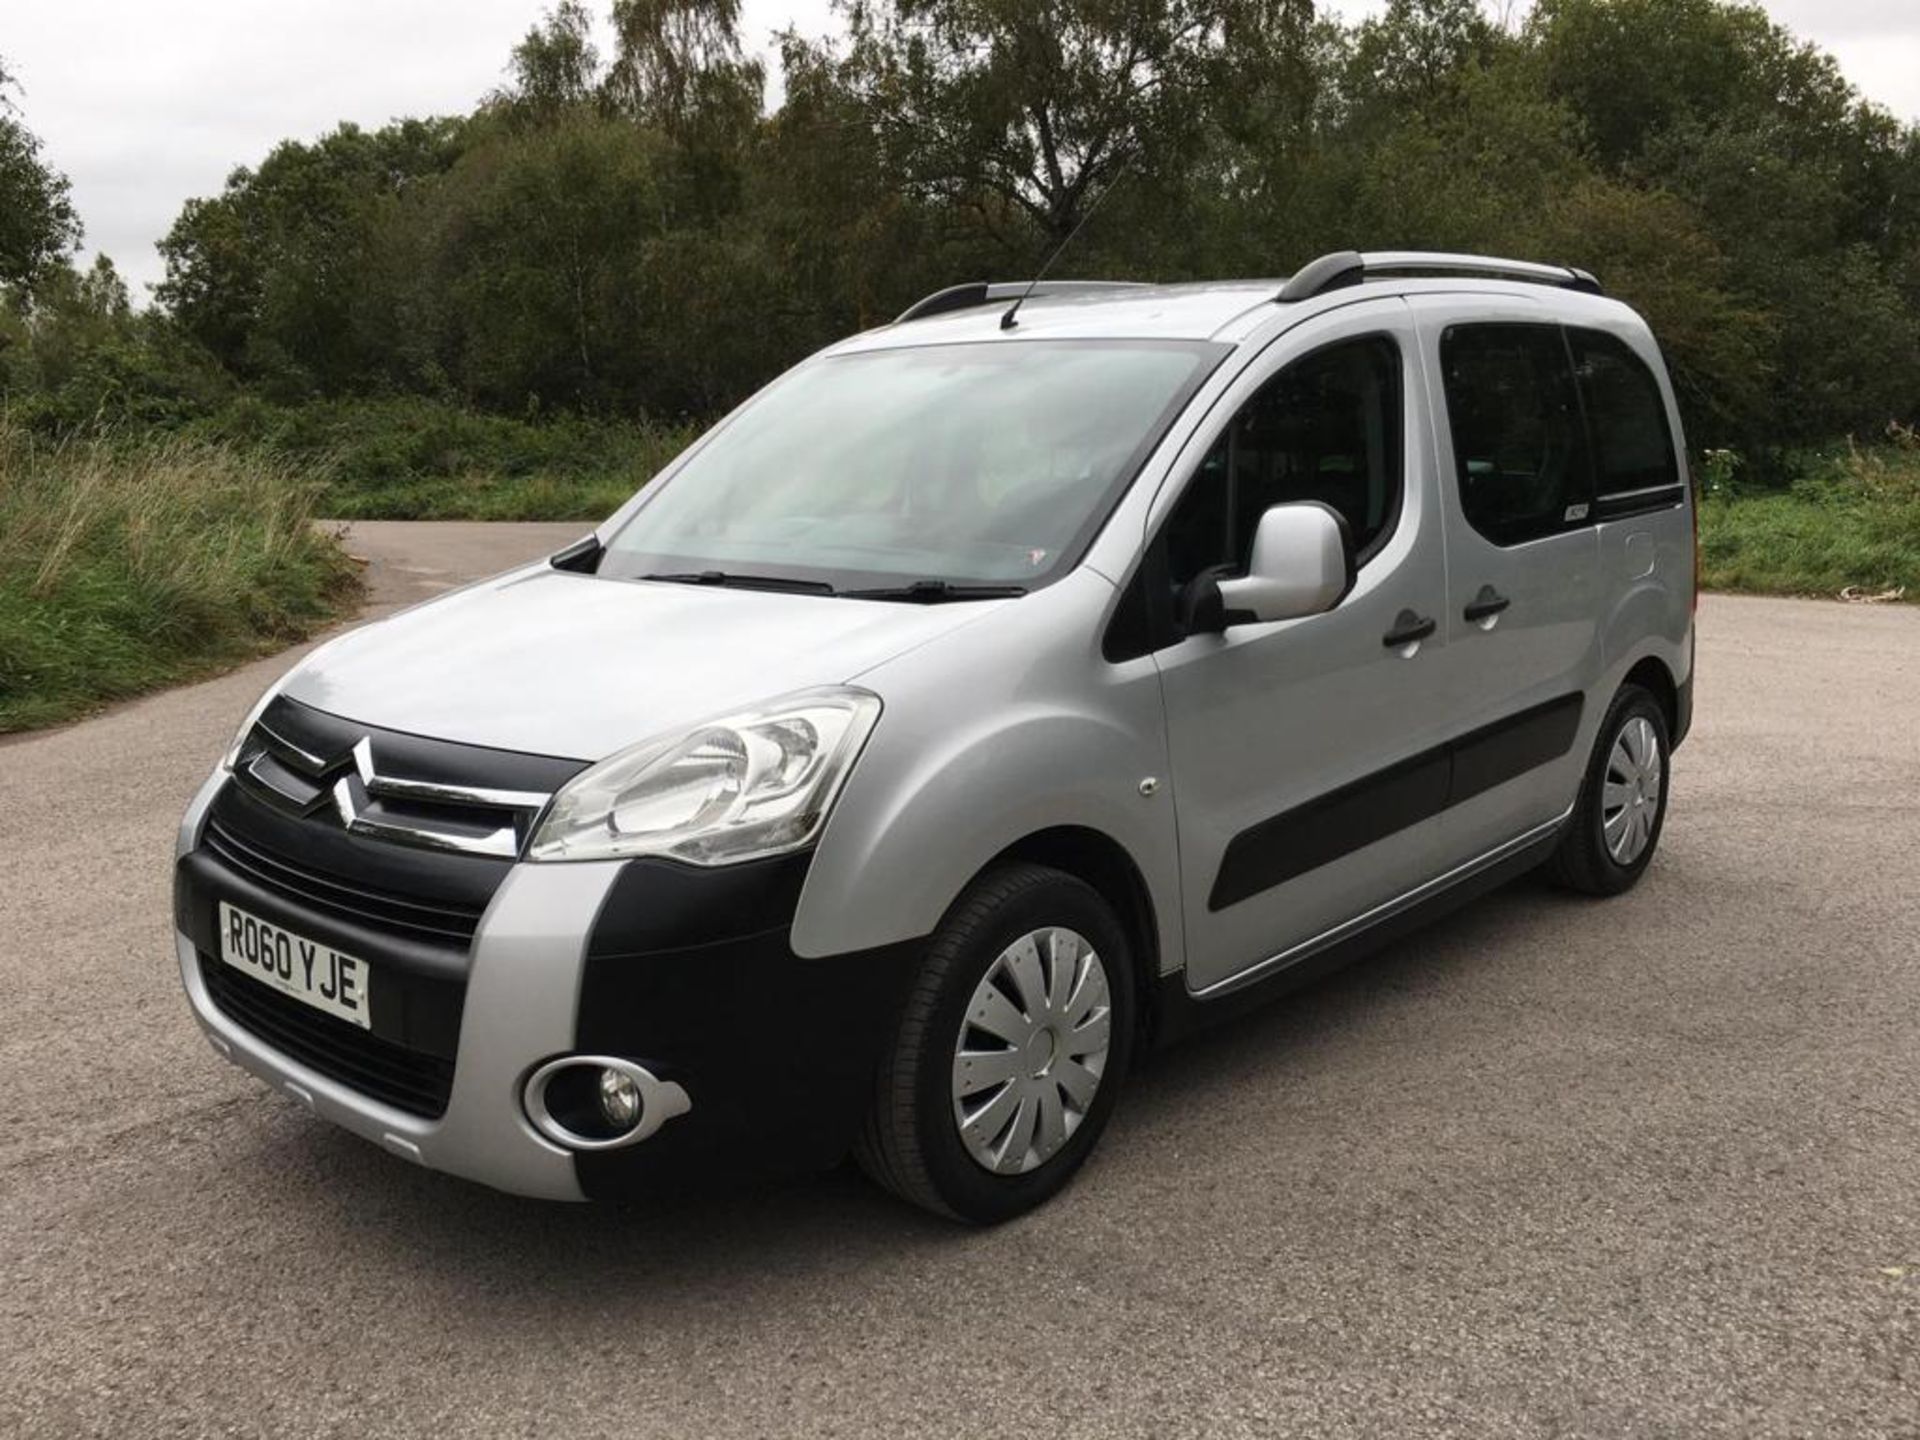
(1616, 822)
(1010, 1051)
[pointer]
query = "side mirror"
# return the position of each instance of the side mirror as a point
(1302, 564)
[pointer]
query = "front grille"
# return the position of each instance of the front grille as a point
(437, 921)
(408, 1080)
(395, 788)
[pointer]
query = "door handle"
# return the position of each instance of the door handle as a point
(1484, 606)
(1408, 629)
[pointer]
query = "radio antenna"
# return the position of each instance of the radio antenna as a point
(1007, 321)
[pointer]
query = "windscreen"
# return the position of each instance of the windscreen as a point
(987, 464)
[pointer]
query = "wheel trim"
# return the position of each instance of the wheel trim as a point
(1031, 1051)
(1630, 791)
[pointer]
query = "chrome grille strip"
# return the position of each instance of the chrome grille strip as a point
(435, 793)
(276, 740)
(504, 842)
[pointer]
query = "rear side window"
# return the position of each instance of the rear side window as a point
(1519, 448)
(1633, 452)
(1326, 428)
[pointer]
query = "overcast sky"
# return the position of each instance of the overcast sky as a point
(144, 103)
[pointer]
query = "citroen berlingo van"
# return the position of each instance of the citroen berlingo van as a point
(997, 694)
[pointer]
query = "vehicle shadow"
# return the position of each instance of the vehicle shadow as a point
(800, 1231)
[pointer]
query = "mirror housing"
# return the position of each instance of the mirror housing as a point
(1201, 610)
(1302, 564)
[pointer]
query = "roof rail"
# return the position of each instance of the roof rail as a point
(1351, 267)
(979, 292)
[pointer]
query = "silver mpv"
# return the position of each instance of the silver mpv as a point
(996, 694)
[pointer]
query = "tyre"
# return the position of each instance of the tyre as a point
(1010, 1050)
(1615, 825)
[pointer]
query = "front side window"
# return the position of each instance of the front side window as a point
(1326, 428)
(965, 464)
(1632, 447)
(1519, 447)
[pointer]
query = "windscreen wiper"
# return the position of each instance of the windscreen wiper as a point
(936, 592)
(747, 582)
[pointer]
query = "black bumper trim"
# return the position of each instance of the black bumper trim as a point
(691, 973)
(419, 990)
(409, 1080)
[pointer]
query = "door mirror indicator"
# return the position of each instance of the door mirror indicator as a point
(1302, 564)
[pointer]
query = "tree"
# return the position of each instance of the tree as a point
(678, 69)
(1024, 109)
(1415, 55)
(541, 240)
(38, 226)
(270, 275)
(1803, 188)
(638, 235)
(557, 65)
(678, 65)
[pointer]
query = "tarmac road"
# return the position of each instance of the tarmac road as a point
(1555, 1167)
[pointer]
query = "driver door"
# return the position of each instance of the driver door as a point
(1308, 756)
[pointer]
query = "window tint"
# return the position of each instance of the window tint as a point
(1632, 447)
(1518, 445)
(1326, 428)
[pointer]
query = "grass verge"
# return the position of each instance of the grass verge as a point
(1849, 523)
(131, 563)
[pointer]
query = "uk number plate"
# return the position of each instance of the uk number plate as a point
(315, 974)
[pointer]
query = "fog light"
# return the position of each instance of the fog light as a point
(619, 1100)
(600, 1102)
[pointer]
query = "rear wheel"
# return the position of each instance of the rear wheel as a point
(1010, 1051)
(1616, 823)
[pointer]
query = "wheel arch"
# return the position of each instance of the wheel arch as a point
(1651, 674)
(1100, 861)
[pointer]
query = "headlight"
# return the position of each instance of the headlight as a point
(757, 783)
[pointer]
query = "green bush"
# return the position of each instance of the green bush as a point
(126, 564)
(417, 459)
(1850, 520)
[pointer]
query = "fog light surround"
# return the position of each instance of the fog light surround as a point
(600, 1102)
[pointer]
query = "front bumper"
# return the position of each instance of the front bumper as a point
(520, 1007)
(683, 970)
